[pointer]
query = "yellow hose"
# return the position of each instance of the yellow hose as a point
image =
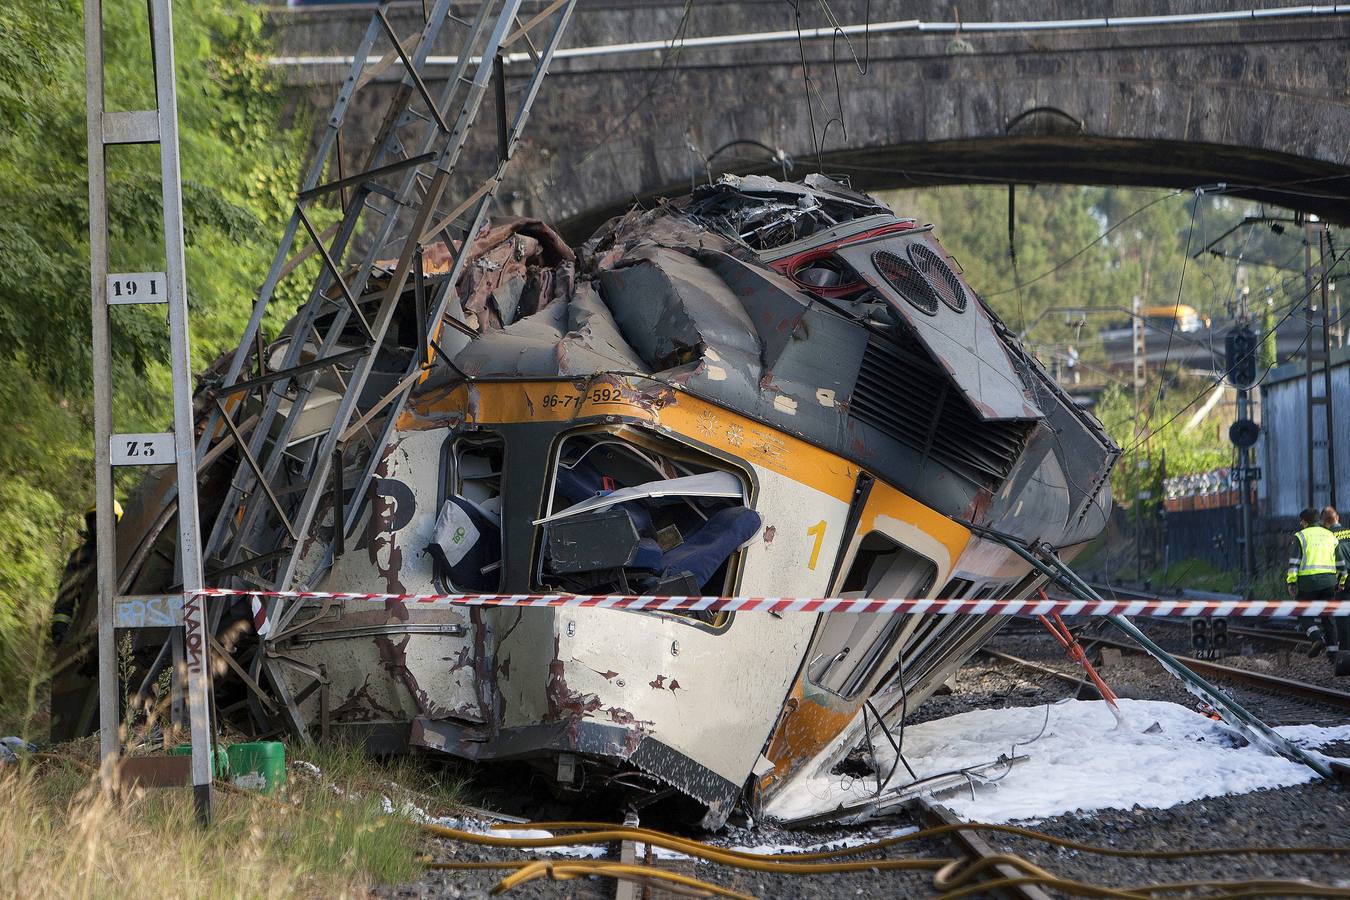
(583, 868)
(1245, 889)
(969, 826)
(951, 875)
(690, 848)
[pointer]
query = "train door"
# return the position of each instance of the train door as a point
(893, 546)
(898, 548)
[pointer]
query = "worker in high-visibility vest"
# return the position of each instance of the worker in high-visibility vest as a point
(1331, 521)
(1317, 568)
(1336, 629)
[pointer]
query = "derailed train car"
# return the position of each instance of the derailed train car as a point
(765, 388)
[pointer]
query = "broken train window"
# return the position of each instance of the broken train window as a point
(466, 542)
(853, 647)
(629, 512)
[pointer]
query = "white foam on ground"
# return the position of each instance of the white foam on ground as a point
(1314, 736)
(855, 840)
(1082, 762)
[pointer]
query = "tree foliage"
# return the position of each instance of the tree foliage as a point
(1096, 249)
(238, 168)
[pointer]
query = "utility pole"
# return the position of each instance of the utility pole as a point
(1323, 243)
(1317, 361)
(109, 290)
(1137, 352)
(1241, 349)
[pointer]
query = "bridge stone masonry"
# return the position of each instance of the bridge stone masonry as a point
(1261, 105)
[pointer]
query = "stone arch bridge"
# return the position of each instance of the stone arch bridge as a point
(1260, 104)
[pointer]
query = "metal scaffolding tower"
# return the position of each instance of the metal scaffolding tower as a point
(107, 290)
(298, 492)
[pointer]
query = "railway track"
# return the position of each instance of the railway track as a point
(1277, 699)
(970, 845)
(1282, 637)
(1315, 696)
(1278, 637)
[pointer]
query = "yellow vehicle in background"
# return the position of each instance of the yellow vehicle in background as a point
(1178, 317)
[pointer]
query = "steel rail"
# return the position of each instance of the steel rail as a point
(1263, 634)
(1037, 667)
(968, 842)
(1259, 633)
(1276, 637)
(1229, 709)
(1274, 683)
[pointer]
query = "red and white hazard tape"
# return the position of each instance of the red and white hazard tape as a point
(1029, 607)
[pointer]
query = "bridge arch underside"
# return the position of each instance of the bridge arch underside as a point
(1279, 179)
(1261, 106)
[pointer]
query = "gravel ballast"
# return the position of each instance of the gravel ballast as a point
(1317, 813)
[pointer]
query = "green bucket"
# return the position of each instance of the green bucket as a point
(220, 759)
(258, 766)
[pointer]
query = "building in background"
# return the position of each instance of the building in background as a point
(1282, 451)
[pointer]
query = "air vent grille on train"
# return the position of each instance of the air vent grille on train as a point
(939, 276)
(907, 281)
(902, 393)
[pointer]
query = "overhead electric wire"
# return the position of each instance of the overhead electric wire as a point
(809, 86)
(673, 48)
(806, 82)
(1172, 330)
(1233, 364)
(862, 65)
(1047, 273)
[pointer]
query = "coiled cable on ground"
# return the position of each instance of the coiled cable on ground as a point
(952, 875)
(938, 830)
(561, 871)
(779, 864)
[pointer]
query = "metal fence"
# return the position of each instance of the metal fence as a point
(1282, 451)
(1212, 535)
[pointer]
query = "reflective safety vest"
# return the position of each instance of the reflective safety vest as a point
(1342, 536)
(1318, 553)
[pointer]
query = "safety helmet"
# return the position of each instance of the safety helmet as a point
(117, 511)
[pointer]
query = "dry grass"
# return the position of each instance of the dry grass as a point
(61, 837)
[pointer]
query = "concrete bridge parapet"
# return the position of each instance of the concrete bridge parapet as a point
(1259, 104)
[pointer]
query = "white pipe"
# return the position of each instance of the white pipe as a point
(906, 25)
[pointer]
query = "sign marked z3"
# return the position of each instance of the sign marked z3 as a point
(142, 449)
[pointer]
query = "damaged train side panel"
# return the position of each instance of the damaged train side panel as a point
(763, 388)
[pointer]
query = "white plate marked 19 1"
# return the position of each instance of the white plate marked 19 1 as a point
(136, 287)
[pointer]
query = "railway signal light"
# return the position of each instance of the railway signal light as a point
(1243, 433)
(1240, 352)
(1200, 637)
